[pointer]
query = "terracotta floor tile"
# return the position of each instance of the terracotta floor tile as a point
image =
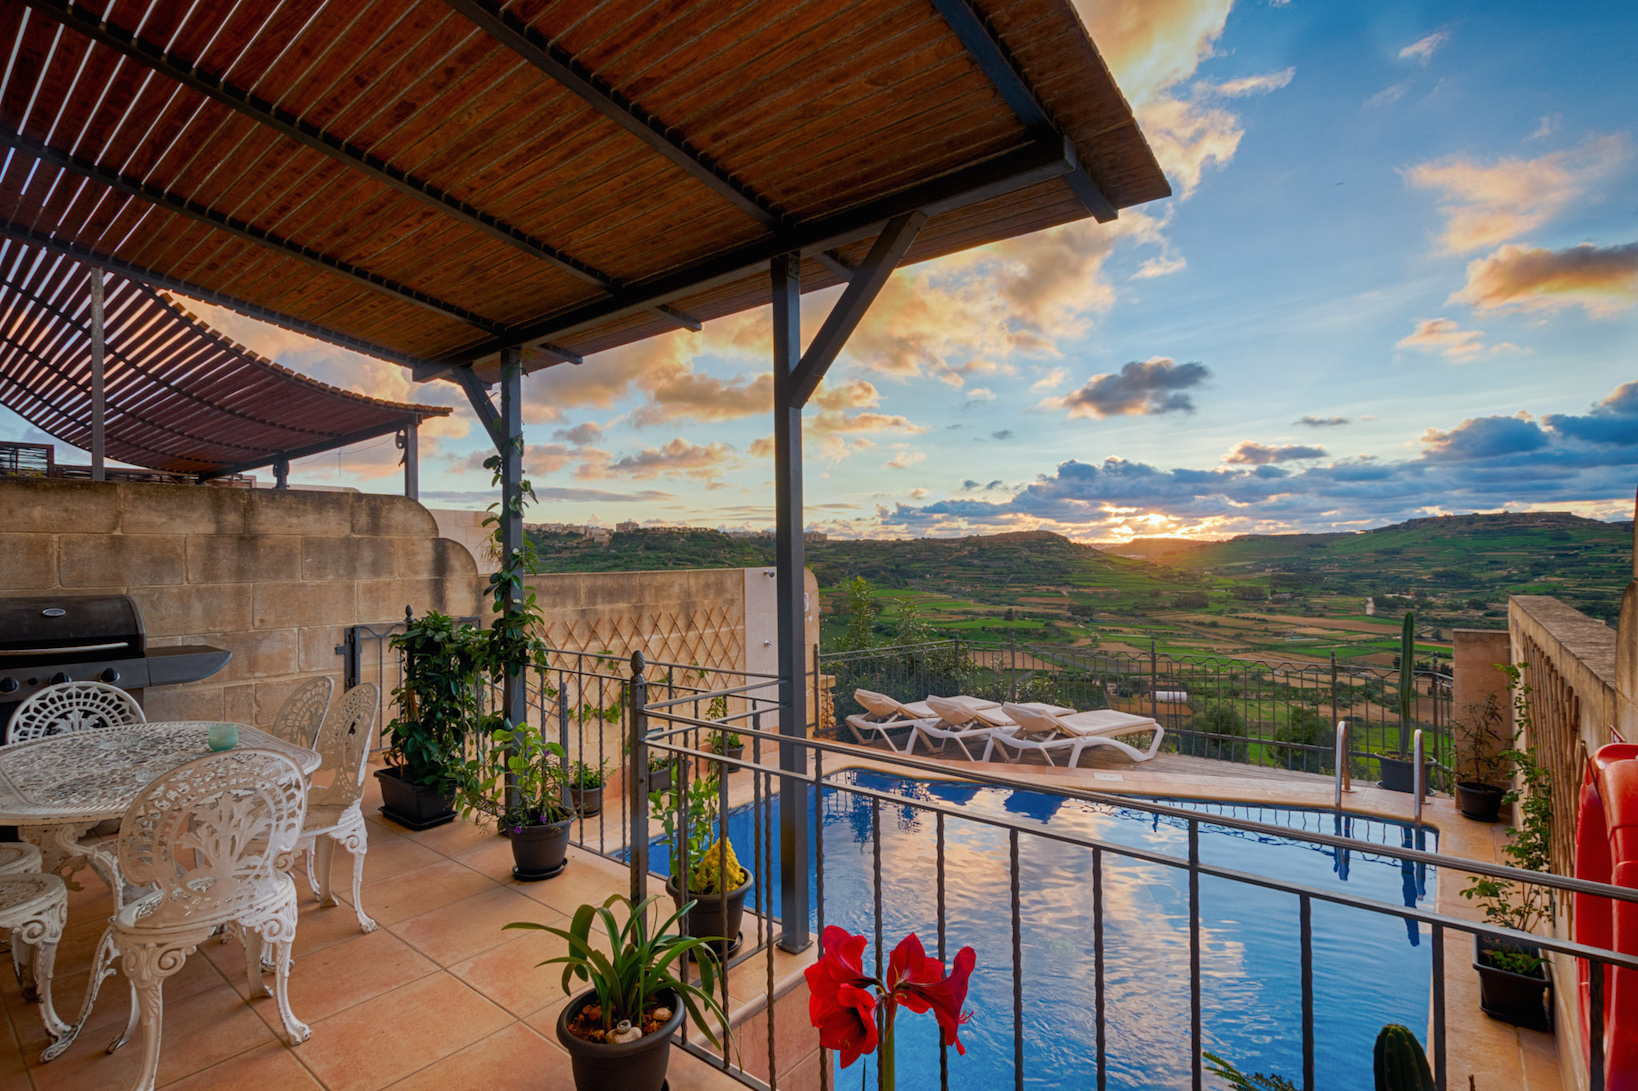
(510, 975)
(459, 930)
(198, 1032)
(373, 1044)
(113, 1006)
(419, 891)
(269, 1068)
(455, 837)
(587, 879)
(386, 857)
(512, 1059)
(339, 976)
(491, 857)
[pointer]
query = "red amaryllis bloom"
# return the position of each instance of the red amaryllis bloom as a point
(839, 1001)
(919, 983)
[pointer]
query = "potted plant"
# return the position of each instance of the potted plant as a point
(728, 744)
(716, 882)
(527, 771)
(660, 765)
(1515, 980)
(843, 999)
(436, 707)
(586, 787)
(1479, 797)
(1398, 773)
(618, 1032)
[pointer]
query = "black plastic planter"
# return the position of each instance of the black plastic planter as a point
(1525, 1000)
(659, 779)
(1398, 774)
(413, 806)
(540, 852)
(628, 1066)
(707, 920)
(587, 801)
(1479, 801)
(735, 753)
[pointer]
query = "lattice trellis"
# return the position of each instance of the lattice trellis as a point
(709, 634)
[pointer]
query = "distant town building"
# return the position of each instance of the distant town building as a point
(626, 527)
(600, 535)
(814, 536)
(1370, 607)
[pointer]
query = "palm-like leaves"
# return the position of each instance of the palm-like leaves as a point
(642, 962)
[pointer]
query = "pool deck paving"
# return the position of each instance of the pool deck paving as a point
(439, 996)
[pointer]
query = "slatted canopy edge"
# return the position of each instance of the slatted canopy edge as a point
(181, 396)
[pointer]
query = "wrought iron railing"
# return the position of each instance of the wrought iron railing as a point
(1262, 711)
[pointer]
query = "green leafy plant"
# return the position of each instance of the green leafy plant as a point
(437, 704)
(1521, 906)
(534, 768)
(1485, 742)
(859, 600)
(724, 741)
(643, 963)
(587, 777)
(1239, 1081)
(689, 819)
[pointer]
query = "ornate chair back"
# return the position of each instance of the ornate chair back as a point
(302, 713)
(72, 706)
(344, 748)
(214, 836)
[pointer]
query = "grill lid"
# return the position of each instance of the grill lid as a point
(90, 626)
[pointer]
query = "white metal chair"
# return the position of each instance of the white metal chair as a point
(35, 908)
(335, 812)
(216, 839)
(1047, 732)
(72, 706)
(302, 713)
(20, 858)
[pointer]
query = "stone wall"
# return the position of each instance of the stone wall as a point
(1478, 685)
(272, 576)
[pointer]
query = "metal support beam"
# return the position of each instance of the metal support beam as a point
(193, 210)
(132, 271)
(996, 63)
(410, 440)
(861, 292)
(281, 473)
(478, 394)
(831, 260)
(1039, 161)
(790, 590)
(563, 67)
(99, 397)
(514, 701)
(319, 448)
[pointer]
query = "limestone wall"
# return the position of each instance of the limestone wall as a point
(274, 577)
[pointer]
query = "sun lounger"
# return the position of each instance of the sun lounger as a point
(1047, 733)
(884, 716)
(966, 720)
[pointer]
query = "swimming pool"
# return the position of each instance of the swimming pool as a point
(1369, 969)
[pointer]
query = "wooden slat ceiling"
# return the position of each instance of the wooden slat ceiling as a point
(415, 179)
(181, 397)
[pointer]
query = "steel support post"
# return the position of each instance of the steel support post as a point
(410, 440)
(793, 718)
(281, 473)
(99, 398)
(514, 700)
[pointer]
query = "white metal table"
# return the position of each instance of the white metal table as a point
(57, 788)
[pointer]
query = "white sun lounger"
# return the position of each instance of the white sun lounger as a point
(1047, 733)
(964, 720)
(883, 715)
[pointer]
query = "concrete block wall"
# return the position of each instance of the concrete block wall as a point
(274, 577)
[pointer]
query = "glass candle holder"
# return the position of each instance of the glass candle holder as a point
(223, 736)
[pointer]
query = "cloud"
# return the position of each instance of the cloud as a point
(1444, 336)
(1140, 388)
(981, 394)
(1484, 437)
(904, 460)
(1247, 453)
(1389, 94)
(1614, 420)
(687, 394)
(677, 458)
(1052, 380)
(1162, 266)
(1003, 435)
(1602, 280)
(1423, 49)
(1489, 203)
(1248, 85)
(580, 434)
(1322, 422)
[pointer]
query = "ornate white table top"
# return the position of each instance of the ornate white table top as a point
(88, 777)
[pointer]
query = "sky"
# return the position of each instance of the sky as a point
(1398, 277)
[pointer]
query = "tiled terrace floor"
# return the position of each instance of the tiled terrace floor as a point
(438, 997)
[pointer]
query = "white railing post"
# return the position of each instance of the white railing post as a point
(1344, 774)
(1417, 772)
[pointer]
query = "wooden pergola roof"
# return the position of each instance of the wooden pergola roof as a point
(181, 397)
(432, 180)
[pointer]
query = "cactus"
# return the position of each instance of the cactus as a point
(1399, 1061)
(705, 874)
(1407, 681)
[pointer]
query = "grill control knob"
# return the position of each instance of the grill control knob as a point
(59, 678)
(110, 676)
(8, 685)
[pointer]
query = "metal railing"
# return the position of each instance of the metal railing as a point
(1260, 711)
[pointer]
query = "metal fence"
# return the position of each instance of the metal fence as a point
(1261, 711)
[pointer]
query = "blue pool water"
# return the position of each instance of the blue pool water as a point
(1369, 969)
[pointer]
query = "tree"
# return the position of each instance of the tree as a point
(1211, 732)
(1305, 727)
(862, 608)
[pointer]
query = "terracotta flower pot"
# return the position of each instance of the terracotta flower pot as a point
(627, 1066)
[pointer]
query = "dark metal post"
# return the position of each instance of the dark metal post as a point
(410, 440)
(637, 781)
(281, 473)
(1154, 680)
(514, 699)
(793, 813)
(99, 398)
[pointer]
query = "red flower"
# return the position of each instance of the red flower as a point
(840, 1002)
(919, 983)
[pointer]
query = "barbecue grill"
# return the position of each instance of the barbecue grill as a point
(46, 640)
